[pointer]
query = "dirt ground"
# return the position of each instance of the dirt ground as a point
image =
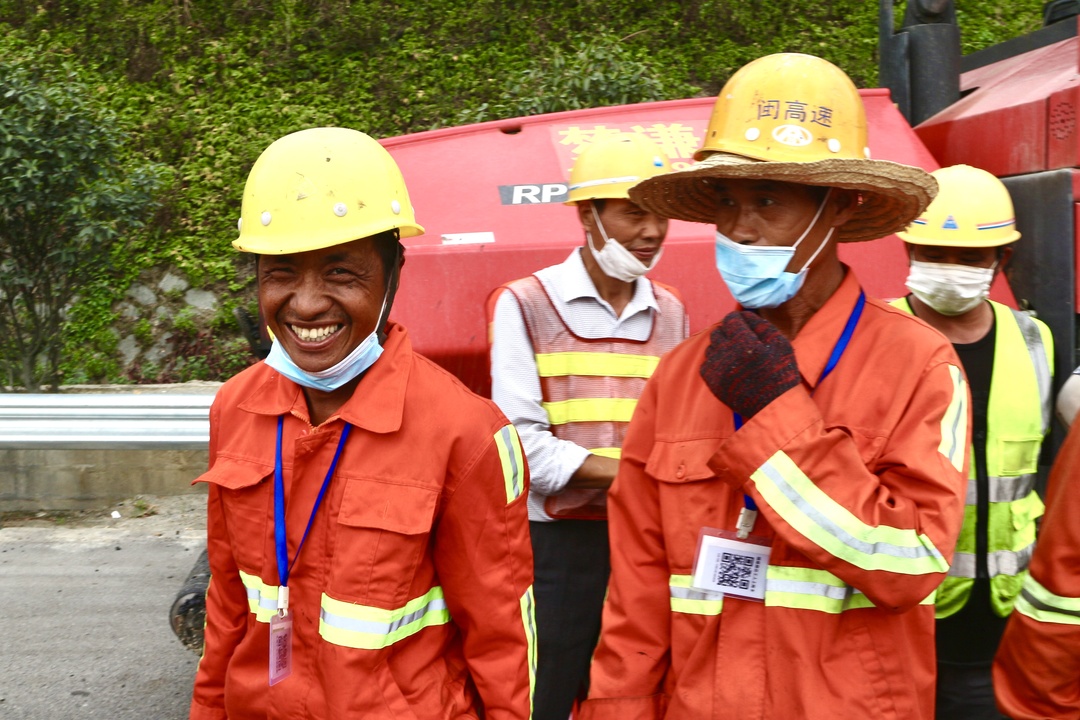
(86, 600)
(152, 515)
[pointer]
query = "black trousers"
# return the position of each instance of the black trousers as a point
(965, 691)
(571, 567)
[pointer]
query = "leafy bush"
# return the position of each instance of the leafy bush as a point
(205, 86)
(68, 200)
(599, 70)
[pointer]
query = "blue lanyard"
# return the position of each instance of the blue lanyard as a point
(834, 359)
(283, 564)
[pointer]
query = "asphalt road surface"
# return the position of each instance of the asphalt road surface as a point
(84, 629)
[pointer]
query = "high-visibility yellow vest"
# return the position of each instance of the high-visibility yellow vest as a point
(590, 386)
(1017, 420)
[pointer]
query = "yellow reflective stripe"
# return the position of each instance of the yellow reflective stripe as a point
(373, 628)
(788, 587)
(607, 452)
(262, 598)
(806, 589)
(590, 410)
(595, 364)
(513, 463)
(836, 529)
(954, 423)
(685, 599)
(813, 589)
(528, 618)
(1041, 605)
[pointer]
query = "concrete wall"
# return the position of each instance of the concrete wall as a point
(85, 479)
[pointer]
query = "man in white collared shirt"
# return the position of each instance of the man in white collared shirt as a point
(572, 347)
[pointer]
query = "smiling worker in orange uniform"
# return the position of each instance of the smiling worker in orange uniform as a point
(792, 483)
(367, 530)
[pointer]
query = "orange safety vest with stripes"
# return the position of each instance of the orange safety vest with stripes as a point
(590, 386)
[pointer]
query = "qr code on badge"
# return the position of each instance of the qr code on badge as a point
(735, 571)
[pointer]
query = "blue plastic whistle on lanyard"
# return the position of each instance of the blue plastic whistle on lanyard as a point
(282, 547)
(748, 514)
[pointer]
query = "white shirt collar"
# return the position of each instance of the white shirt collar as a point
(573, 283)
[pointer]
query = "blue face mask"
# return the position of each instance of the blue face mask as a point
(756, 275)
(360, 359)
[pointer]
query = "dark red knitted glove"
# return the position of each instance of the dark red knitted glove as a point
(748, 363)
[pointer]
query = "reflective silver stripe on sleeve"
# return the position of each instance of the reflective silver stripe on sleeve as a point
(372, 628)
(381, 628)
(1040, 604)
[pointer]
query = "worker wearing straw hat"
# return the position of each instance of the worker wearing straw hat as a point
(792, 483)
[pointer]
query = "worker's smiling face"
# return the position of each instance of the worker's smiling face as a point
(321, 304)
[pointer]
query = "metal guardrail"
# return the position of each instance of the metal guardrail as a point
(105, 421)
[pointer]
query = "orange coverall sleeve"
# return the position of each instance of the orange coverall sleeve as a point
(633, 657)
(886, 525)
(1037, 667)
(483, 557)
(226, 604)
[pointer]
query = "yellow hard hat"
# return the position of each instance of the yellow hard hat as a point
(609, 167)
(788, 107)
(321, 187)
(799, 119)
(972, 209)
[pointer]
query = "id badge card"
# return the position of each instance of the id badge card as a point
(280, 648)
(725, 564)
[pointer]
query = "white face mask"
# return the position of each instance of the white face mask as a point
(615, 260)
(950, 289)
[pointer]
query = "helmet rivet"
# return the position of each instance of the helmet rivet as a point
(752, 134)
(239, 224)
(340, 209)
(834, 145)
(265, 218)
(395, 206)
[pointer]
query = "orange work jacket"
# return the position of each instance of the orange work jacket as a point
(859, 481)
(412, 596)
(1037, 667)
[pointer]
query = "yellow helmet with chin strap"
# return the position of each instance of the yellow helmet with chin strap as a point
(609, 167)
(321, 187)
(972, 209)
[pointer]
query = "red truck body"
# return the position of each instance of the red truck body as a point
(490, 197)
(1017, 118)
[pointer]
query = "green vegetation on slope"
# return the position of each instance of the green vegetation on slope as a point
(203, 86)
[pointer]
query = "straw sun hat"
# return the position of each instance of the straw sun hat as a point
(798, 119)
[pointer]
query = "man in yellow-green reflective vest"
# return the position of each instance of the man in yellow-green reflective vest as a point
(956, 248)
(571, 348)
